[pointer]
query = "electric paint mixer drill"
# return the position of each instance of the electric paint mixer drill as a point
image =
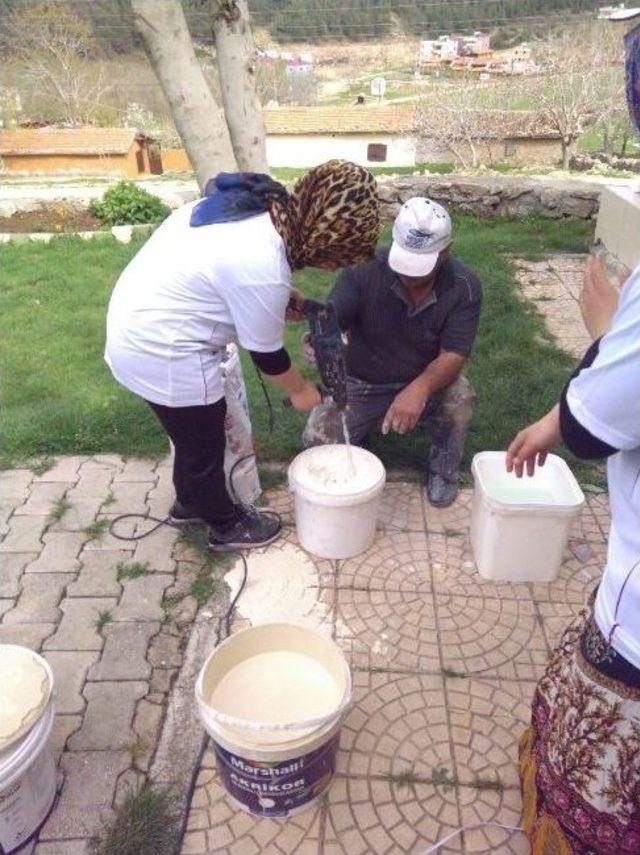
(326, 341)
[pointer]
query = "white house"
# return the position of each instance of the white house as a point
(370, 136)
(442, 49)
(476, 45)
(519, 60)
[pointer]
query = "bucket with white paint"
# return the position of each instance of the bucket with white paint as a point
(27, 767)
(337, 494)
(273, 698)
(520, 526)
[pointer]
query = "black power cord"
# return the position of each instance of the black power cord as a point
(225, 620)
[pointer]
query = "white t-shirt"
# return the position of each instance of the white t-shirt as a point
(605, 399)
(185, 295)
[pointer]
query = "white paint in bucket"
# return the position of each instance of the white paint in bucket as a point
(272, 698)
(520, 526)
(27, 767)
(336, 506)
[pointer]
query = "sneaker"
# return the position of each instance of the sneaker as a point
(183, 515)
(252, 530)
(441, 491)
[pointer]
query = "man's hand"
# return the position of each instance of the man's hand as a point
(533, 443)
(405, 411)
(307, 398)
(295, 306)
(599, 298)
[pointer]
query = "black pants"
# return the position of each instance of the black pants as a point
(198, 437)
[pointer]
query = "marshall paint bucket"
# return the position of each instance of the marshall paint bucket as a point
(27, 767)
(273, 698)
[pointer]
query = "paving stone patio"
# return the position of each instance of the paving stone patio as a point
(444, 667)
(554, 286)
(444, 662)
(114, 643)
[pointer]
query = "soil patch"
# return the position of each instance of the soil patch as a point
(58, 219)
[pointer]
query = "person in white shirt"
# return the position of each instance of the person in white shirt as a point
(580, 758)
(586, 709)
(219, 270)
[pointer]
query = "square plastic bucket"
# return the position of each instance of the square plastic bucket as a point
(520, 526)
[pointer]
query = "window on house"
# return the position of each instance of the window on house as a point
(377, 152)
(510, 148)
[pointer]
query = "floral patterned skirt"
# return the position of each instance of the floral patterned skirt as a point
(580, 759)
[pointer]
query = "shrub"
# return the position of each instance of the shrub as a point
(125, 204)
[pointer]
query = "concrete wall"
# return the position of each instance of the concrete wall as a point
(618, 226)
(310, 150)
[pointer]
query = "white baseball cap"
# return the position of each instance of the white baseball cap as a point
(421, 231)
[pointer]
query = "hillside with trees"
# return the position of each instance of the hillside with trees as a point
(313, 21)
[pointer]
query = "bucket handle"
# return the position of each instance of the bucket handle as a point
(248, 724)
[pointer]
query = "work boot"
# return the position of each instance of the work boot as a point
(183, 515)
(252, 530)
(442, 491)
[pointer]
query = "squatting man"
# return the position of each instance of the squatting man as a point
(410, 318)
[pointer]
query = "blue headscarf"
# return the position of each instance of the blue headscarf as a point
(233, 196)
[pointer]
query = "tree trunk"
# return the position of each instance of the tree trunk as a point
(236, 53)
(567, 151)
(198, 119)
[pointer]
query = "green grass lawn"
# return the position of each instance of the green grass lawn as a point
(292, 173)
(59, 397)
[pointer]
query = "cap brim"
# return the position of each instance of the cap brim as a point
(624, 14)
(411, 263)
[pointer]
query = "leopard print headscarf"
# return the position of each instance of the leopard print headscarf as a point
(331, 217)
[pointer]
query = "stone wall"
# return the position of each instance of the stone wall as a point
(481, 195)
(496, 195)
(582, 161)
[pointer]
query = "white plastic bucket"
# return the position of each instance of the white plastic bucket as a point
(520, 526)
(272, 767)
(336, 519)
(28, 776)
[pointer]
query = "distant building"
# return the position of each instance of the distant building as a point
(518, 137)
(454, 50)
(442, 49)
(306, 136)
(294, 63)
(519, 60)
(476, 45)
(86, 151)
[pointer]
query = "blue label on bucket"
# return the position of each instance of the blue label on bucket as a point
(277, 788)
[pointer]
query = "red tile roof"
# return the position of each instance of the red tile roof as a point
(339, 120)
(69, 141)
(305, 121)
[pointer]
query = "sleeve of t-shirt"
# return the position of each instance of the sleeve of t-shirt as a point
(461, 326)
(605, 398)
(258, 312)
(345, 298)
